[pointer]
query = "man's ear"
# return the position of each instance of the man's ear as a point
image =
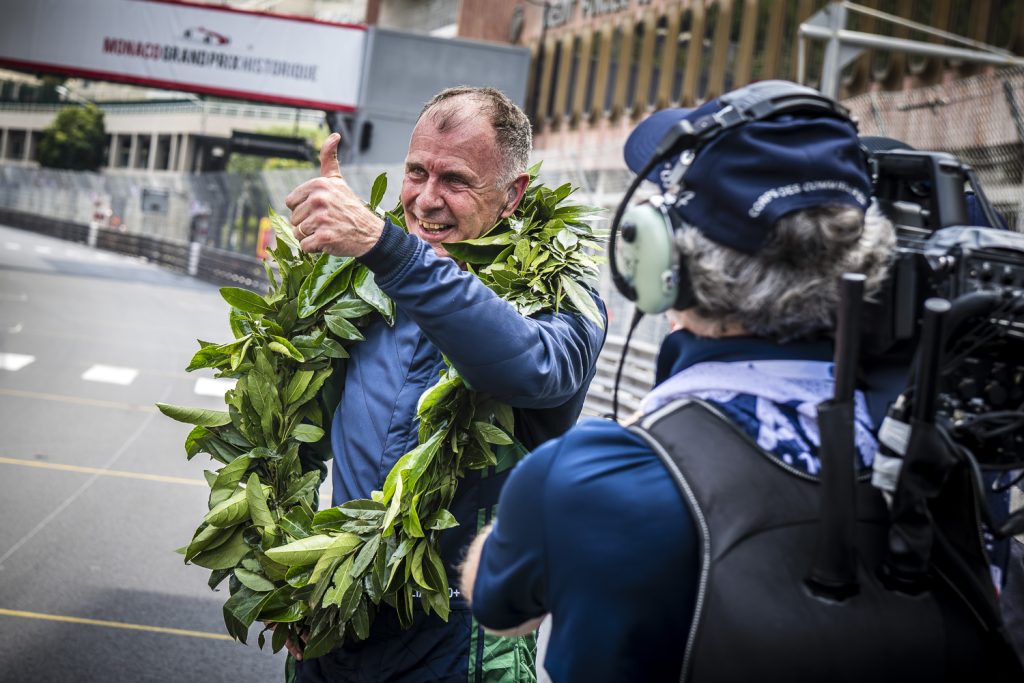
(515, 194)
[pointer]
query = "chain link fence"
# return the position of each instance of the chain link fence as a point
(221, 210)
(977, 119)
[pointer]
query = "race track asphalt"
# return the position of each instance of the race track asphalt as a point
(95, 489)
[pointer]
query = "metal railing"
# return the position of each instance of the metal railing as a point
(223, 267)
(53, 227)
(637, 377)
(169, 254)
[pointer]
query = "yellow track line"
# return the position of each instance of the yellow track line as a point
(101, 471)
(81, 401)
(113, 624)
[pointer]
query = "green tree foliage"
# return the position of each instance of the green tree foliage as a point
(75, 140)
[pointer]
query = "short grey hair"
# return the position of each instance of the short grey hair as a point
(789, 289)
(512, 131)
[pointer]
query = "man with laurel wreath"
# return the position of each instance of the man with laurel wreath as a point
(465, 171)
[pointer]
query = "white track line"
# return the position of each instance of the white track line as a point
(206, 386)
(14, 361)
(110, 374)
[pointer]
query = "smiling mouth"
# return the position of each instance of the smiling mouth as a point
(434, 228)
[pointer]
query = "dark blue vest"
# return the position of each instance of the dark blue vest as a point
(755, 619)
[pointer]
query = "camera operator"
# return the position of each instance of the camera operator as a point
(648, 571)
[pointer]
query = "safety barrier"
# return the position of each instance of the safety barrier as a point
(228, 268)
(53, 227)
(167, 253)
(217, 266)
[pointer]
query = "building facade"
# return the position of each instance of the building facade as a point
(162, 135)
(600, 66)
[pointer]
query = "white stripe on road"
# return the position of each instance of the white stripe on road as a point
(113, 624)
(102, 472)
(109, 405)
(13, 246)
(206, 386)
(110, 374)
(43, 249)
(14, 361)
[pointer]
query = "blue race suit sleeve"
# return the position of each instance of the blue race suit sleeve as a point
(592, 529)
(537, 362)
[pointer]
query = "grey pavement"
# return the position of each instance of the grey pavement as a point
(95, 490)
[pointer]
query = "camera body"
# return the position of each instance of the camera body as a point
(980, 378)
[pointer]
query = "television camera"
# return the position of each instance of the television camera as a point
(974, 382)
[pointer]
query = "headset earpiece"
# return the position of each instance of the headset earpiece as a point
(647, 257)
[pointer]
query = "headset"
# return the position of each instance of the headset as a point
(645, 265)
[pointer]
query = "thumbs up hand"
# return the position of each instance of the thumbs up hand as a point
(329, 166)
(327, 215)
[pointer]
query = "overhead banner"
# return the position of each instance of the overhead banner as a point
(209, 49)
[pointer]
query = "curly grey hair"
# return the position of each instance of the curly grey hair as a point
(788, 289)
(512, 130)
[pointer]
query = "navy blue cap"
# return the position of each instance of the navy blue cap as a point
(748, 177)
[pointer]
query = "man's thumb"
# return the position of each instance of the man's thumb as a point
(329, 166)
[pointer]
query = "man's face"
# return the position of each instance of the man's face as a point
(450, 192)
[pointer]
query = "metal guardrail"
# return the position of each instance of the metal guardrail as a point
(54, 227)
(231, 269)
(637, 377)
(228, 268)
(209, 264)
(167, 253)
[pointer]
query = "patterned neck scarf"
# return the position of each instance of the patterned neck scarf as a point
(773, 401)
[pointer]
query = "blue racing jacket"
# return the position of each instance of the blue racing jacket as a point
(541, 366)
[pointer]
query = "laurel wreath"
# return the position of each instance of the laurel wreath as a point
(325, 574)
